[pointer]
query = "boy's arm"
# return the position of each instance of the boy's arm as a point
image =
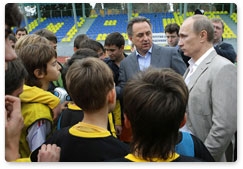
(117, 118)
(13, 126)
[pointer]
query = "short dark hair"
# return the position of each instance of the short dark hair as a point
(92, 44)
(79, 39)
(13, 16)
(14, 75)
(136, 20)
(171, 28)
(12, 37)
(116, 39)
(155, 102)
(199, 12)
(47, 34)
(21, 29)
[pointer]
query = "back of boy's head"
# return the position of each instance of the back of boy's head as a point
(78, 40)
(13, 15)
(92, 44)
(36, 56)
(47, 34)
(88, 82)
(155, 103)
(82, 53)
(14, 76)
(79, 54)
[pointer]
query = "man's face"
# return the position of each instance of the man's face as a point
(20, 34)
(218, 31)
(114, 52)
(172, 39)
(189, 41)
(142, 37)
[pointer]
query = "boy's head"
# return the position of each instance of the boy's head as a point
(49, 35)
(79, 54)
(155, 104)
(20, 32)
(13, 17)
(82, 53)
(95, 45)
(90, 84)
(172, 34)
(114, 46)
(78, 40)
(14, 77)
(40, 62)
(116, 39)
(29, 39)
(12, 40)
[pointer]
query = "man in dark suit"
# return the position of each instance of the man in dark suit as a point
(147, 53)
(222, 48)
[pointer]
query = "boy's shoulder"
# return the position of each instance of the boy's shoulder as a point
(182, 158)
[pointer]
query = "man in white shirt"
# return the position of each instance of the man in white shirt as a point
(212, 104)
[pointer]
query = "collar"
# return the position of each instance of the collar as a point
(149, 51)
(193, 63)
(131, 157)
(86, 130)
(73, 106)
(218, 42)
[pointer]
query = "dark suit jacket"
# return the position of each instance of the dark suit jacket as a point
(226, 50)
(162, 57)
(184, 57)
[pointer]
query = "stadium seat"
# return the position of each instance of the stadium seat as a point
(127, 48)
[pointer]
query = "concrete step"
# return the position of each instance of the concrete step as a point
(66, 49)
(230, 22)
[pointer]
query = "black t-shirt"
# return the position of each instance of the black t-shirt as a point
(78, 148)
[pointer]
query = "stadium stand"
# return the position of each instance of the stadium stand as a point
(97, 27)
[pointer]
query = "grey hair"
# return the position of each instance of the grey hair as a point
(201, 22)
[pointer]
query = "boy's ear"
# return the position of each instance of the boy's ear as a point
(130, 38)
(126, 121)
(122, 47)
(74, 49)
(183, 122)
(38, 73)
(112, 96)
